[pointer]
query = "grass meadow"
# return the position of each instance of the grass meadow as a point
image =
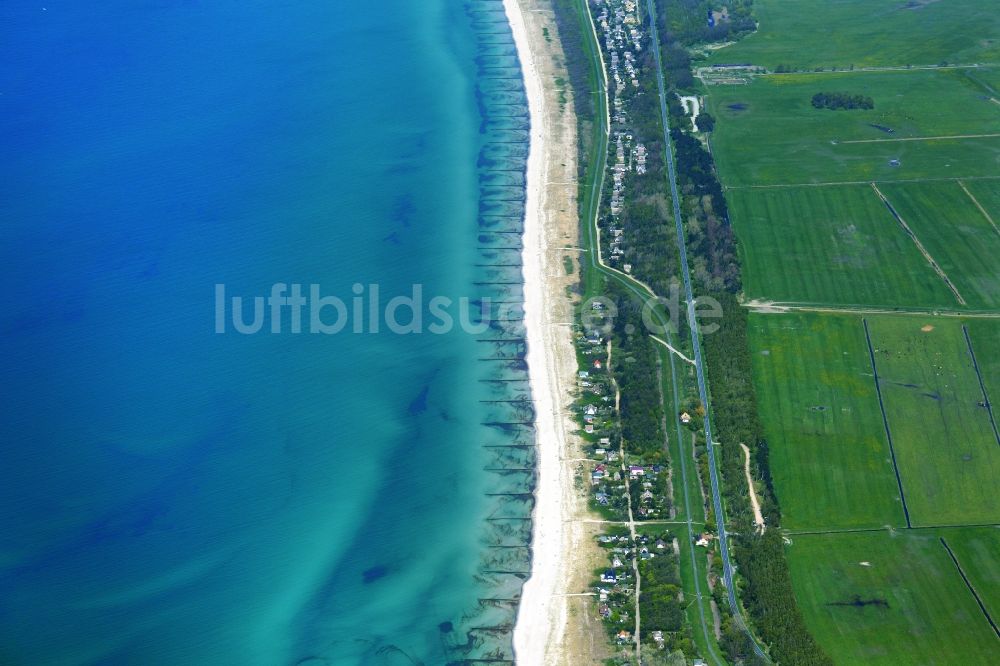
(947, 453)
(985, 336)
(837, 245)
(829, 454)
(977, 550)
(769, 133)
(824, 33)
(988, 79)
(956, 233)
(987, 194)
(890, 599)
(812, 230)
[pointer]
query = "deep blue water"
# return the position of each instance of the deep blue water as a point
(170, 494)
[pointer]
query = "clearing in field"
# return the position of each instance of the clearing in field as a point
(914, 32)
(830, 459)
(946, 449)
(837, 245)
(926, 124)
(881, 599)
(956, 233)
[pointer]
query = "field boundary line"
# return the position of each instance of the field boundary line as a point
(923, 138)
(886, 68)
(784, 307)
(835, 183)
(979, 205)
(982, 384)
(968, 584)
(845, 530)
(884, 528)
(885, 422)
(761, 306)
(920, 246)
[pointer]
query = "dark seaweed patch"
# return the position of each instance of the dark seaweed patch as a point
(419, 404)
(373, 574)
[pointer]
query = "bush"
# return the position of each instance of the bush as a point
(838, 101)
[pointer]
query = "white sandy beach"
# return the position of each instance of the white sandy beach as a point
(550, 224)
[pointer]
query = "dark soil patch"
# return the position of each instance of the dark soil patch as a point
(858, 602)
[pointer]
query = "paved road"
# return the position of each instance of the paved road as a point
(727, 567)
(591, 210)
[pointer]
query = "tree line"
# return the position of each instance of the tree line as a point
(767, 595)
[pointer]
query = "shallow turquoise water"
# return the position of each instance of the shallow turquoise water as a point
(172, 495)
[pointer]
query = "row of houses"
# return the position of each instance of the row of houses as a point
(621, 24)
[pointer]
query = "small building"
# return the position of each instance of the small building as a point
(685, 418)
(609, 576)
(636, 470)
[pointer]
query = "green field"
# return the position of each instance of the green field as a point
(985, 337)
(769, 133)
(868, 33)
(978, 552)
(946, 451)
(988, 78)
(923, 613)
(835, 244)
(813, 231)
(829, 456)
(956, 233)
(987, 194)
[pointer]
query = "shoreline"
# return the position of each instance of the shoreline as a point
(542, 613)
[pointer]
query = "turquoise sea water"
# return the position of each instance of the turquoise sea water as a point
(173, 495)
